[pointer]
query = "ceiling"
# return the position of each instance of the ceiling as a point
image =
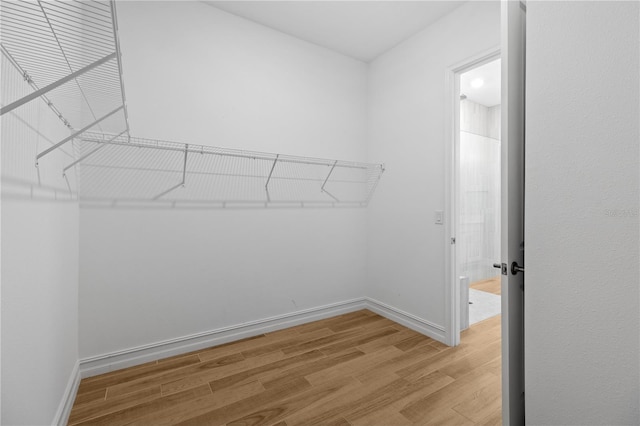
(360, 29)
(489, 93)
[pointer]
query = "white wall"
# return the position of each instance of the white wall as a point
(406, 249)
(39, 264)
(195, 74)
(582, 168)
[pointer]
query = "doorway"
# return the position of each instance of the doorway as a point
(478, 192)
(512, 54)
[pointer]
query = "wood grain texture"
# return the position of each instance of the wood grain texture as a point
(492, 285)
(355, 369)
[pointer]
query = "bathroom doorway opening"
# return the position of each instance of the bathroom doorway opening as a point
(478, 193)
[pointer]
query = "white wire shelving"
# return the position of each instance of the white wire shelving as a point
(124, 171)
(69, 53)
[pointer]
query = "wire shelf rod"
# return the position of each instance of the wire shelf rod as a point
(266, 185)
(73, 21)
(256, 156)
(184, 167)
(38, 58)
(114, 19)
(375, 184)
(55, 36)
(99, 84)
(36, 41)
(98, 4)
(71, 5)
(34, 85)
(51, 39)
(68, 9)
(76, 134)
(329, 175)
(217, 201)
(21, 10)
(84, 157)
(89, 8)
(95, 38)
(197, 173)
(70, 21)
(88, 4)
(16, 27)
(55, 84)
(205, 149)
(184, 176)
(25, 23)
(71, 31)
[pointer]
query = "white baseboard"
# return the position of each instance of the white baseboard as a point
(64, 410)
(138, 355)
(411, 321)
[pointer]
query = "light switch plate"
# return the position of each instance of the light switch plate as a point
(439, 217)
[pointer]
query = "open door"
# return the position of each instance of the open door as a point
(512, 223)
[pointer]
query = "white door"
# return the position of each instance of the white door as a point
(512, 227)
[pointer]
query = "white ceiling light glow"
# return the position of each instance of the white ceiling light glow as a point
(482, 84)
(477, 83)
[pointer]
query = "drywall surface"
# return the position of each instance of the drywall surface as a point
(195, 74)
(407, 89)
(39, 251)
(581, 228)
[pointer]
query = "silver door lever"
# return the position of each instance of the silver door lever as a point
(515, 268)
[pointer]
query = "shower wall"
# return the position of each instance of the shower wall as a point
(479, 226)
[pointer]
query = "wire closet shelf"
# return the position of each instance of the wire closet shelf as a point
(68, 52)
(125, 170)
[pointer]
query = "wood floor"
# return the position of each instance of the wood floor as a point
(492, 285)
(355, 369)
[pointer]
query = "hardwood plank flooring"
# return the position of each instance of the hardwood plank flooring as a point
(492, 285)
(354, 369)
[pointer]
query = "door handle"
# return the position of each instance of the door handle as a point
(515, 268)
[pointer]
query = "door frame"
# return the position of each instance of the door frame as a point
(452, 187)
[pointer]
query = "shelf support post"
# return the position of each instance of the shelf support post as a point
(184, 166)
(329, 175)
(184, 176)
(266, 185)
